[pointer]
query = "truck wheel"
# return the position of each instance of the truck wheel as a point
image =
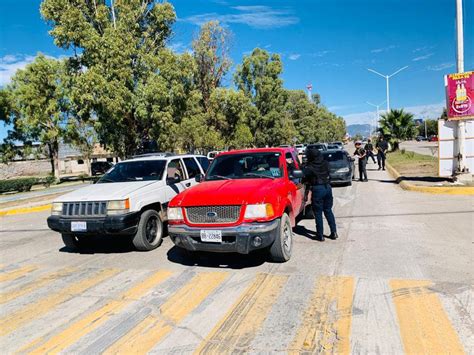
(150, 231)
(280, 251)
(71, 241)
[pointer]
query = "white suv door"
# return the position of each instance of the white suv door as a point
(193, 168)
(176, 178)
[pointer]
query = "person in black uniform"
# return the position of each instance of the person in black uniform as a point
(361, 154)
(382, 147)
(316, 172)
(369, 147)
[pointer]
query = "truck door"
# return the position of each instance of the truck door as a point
(193, 170)
(296, 187)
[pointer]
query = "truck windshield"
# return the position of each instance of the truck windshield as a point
(145, 170)
(246, 166)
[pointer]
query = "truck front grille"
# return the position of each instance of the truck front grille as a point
(74, 209)
(213, 214)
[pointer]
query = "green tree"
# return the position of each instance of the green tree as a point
(397, 125)
(38, 108)
(431, 128)
(211, 53)
(116, 56)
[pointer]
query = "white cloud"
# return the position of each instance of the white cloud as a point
(263, 17)
(420, 111)
(10, 63)
(294, 56)
(422, 57)
(439, 67)
(423, 49)
(321, 53)
(383, 49)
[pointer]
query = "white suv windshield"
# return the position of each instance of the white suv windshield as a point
(143, 170)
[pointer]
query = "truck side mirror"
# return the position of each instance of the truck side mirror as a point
(297, 174)
(199, 177)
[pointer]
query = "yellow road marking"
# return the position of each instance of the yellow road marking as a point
(25, 210)
(153, 328)
(34, 285)
(424, 325)
(87, 324)
(238, 328)
(13, 321)
(326, 324)
(15, 274)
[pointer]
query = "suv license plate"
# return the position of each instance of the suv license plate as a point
(78, 226)
(212, 236)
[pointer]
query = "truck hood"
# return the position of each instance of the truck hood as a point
(106, 191)
(227, 192)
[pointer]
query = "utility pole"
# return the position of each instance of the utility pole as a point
(378, 112)
(387, 78)
(460, 69)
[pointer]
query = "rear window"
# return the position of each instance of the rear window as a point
(335, 156)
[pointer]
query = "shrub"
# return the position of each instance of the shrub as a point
(20, 185)
(48, 180)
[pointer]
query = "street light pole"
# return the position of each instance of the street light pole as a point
(460, 69)
(378, 115)
(387, 78)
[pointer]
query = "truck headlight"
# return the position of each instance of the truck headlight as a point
(261, 210)
(118, 207)
(175, 214)
(342, 170)
(57, 208)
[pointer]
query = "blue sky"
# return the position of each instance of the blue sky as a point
(327, 43)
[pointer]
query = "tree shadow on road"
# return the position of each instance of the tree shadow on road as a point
(217, 260)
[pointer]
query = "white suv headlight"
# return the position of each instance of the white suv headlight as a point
(57, 208)
(342, 170)
(261, 210)
(118, 207)
(175, 214)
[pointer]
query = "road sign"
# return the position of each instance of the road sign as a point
(447, 147)
(460, 95)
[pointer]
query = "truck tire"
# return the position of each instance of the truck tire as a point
(281, 249)
(150, 231)
(72, 242)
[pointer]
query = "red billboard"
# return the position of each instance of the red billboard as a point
(460, 95)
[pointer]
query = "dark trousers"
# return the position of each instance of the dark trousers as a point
(381, 159)
(322, 201)
(362, 169)
(370, 154)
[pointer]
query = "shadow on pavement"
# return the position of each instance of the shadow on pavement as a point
(442, 213)
(217, 260)
(304, 232)
(102, 245)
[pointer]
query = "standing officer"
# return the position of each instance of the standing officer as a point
(316, 172)
(360, 153)
(369, 147)
(382, 147)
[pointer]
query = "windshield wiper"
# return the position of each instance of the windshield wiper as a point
(219, 177)
(259, 176)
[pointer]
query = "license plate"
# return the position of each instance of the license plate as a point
(78, 226)
(213, 236)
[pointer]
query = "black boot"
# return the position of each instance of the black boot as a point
(319, 237)
(333, 236)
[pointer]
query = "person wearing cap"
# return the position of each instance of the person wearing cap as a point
(369, 150)
(361, 154)
(316, 173)
(382, 147)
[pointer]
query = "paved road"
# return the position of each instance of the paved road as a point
(39, 193)
(398, 280)
(425, 148)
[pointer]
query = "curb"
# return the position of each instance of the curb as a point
(405, 185)
(24, 210)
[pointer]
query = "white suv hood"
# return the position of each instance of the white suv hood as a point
(106, 191)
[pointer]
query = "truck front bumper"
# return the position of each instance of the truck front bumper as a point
(126, 224)
(241, 239)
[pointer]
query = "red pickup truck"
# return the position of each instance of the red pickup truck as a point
(248, 200)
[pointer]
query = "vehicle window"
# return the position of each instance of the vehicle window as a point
(290, 163)
(204, 163)
(335, 156)
(175, 169)
(246, 166)
(192, 167)
(135, 171)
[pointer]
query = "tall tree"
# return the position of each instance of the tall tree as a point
(38, 109)
(116, 53)
(211, 53)
(397, 125)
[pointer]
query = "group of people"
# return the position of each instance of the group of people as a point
(316, 174)
(363, 155)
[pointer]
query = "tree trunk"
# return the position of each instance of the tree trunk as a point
(54, 158)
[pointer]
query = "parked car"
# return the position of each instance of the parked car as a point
(433, 138)
(320, 146)
(338, 143)
(341, 166)
(248, 200)
(100, 167)
(300, 148)
(421, 138)
(332, 146)
(129, 200)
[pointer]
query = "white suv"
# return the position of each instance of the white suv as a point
(130, 199)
